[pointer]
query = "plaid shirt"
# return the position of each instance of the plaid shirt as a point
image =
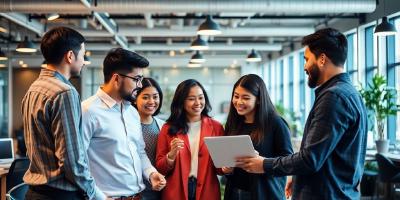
(52, 127)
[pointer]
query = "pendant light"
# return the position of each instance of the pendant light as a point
(194, 65)
(197, 58)
(199, 44)
(53, 16)
(209, 27)
(86, 60)
(3, 55)
(253, 56)
(26, 46)
(385, 28)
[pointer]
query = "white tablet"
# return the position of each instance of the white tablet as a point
(225, 149)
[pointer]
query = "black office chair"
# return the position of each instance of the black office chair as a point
(389, 173)
(18, 192)
(16, 172)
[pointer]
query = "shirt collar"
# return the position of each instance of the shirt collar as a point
(109, 101)
(339, 77)
(53, 73)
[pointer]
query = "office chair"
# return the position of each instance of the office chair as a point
(389, 173)
(18, 192)
(16, 172)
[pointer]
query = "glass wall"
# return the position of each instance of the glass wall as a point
(4, 111)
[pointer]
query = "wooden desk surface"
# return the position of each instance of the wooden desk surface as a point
(3, 175)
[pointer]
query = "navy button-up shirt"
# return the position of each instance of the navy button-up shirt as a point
(330, 162)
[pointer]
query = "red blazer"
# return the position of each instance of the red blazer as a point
(177, 176)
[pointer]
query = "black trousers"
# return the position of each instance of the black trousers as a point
(44, 192)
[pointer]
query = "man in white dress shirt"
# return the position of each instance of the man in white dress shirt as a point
(112, 130)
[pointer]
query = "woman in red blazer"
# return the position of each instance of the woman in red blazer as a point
(182, 155)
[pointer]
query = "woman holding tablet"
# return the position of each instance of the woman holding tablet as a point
(252, 113)
(182, 155)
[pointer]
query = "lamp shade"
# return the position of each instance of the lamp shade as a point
(199, 44)
(194, 65)
(86, 60)
(53, 16)
(197, 58)
(253, 56)
(26, 46)
(385, 28)
(3, 55)
(209, 27)
(44, 64)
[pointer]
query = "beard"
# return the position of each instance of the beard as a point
(128, 96)
(313, 76)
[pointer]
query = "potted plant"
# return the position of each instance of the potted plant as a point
(381, 101)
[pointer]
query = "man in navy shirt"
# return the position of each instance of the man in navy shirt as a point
(330, 162)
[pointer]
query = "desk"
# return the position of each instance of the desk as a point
(3, 175)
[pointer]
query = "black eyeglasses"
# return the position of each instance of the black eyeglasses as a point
(138, 79)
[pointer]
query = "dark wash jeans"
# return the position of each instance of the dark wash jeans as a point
(49, 193)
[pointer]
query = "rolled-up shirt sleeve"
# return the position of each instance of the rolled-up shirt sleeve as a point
(329, 122)
(69, 143)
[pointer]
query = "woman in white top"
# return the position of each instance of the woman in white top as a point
(182, 155)
(148, 103)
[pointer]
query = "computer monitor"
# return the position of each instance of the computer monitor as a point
(6, 150)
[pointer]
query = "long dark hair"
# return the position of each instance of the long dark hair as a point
(264, 109)
(149, 82)
(178, 120)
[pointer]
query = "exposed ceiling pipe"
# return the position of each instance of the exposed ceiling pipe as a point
(189, 31)
(24, 21)
(237, 46)
(109, 24)
(207, 6)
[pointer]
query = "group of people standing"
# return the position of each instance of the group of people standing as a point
(113, 146)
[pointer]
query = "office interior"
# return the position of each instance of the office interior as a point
(257, 36)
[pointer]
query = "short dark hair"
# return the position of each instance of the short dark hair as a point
(329, 41)
(177, 120)
(119, 60)
(149, 82)
(58, 41)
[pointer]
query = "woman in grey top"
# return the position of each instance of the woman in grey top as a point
(148, 103)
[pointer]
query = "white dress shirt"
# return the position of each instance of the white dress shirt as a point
(115, 146)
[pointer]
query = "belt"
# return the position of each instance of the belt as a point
(133, 197)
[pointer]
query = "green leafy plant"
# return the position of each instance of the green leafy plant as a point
(381, 100)
(291, 118)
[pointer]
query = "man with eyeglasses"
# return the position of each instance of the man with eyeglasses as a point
(112, 130)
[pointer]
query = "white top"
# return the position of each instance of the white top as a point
(114, 142)
(194, 140)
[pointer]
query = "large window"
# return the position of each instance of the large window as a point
(302, 87)
(370, 48)
(4, 102)
(281, 82)
(351, 63)
(291, 83)
(393, 77)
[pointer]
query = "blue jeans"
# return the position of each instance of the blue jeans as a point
(192, 183)
(150, 195)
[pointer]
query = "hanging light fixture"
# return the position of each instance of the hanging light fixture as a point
(86, 60)
(385, 28)
(199, 44)
(53, 16)
(26, 46)
(194, 65)
(253, 57)
(3, 55)
(197, 58)
(209, 27)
